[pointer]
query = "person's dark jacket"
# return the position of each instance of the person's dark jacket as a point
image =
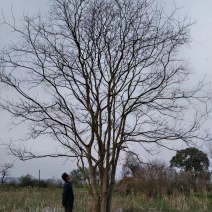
(67, 195)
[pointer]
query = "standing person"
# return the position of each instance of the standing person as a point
(67, 195)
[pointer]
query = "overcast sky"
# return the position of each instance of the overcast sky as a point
(199, 54)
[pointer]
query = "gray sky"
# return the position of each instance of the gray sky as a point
(199, 54)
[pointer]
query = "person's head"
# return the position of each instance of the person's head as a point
(66, 177)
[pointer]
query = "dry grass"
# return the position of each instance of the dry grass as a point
(46, 200)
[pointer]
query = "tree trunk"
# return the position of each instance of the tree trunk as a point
(102, 202)
(104, 192)
(95, 203)
(109, 198)
(110, 191)
(2, 179)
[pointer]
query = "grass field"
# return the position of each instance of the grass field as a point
(46, 200)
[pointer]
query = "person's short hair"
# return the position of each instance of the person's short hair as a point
(64, 175)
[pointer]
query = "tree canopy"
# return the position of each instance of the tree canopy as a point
(191, 159)
(97, 76)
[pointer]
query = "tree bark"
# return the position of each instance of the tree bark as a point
(104, 192)
(95, 203)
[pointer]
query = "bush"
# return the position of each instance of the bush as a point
(158, 180)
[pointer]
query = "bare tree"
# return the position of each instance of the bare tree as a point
(97, 76)
(5, 171)
(131, 165)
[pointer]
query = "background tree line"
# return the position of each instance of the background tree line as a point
(188, 172)
(28, 181)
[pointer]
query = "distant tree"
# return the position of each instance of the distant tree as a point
(77, 178)
(131, 165)
(27, 180)
(191, 159)
(5, 170)
(151, 178)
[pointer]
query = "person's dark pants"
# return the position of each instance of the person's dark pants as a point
(69, 207)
